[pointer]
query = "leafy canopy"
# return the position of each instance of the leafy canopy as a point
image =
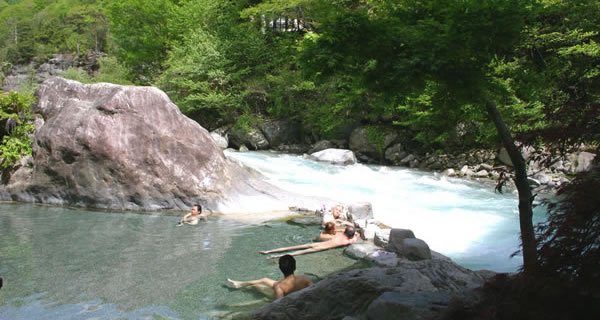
(16, 143)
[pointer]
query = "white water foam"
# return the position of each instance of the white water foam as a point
(463, 219)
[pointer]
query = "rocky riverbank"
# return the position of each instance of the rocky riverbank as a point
(547, 170)
(130, 148)
(407, 281)
(20, 77)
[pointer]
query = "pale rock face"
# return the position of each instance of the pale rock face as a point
(503, 156)
(361, 210)
(253, 138)
(582, 161)
(465, 171)
(335, 156)
(382, 237)
(360, 142)
(482, 174)
(221, 140)
(127, 147)
(395, 153)
(449, 172)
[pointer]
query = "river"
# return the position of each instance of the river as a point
(69, 263)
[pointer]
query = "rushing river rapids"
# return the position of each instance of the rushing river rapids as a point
(462, 219)
(61, 263)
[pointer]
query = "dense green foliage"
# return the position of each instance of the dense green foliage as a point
(36, 29)
(568, 255)
(428, 67)
(418, 65)
(570, 239)
(14, 107)
(110, 71)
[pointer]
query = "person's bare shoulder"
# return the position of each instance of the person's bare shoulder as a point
(302, 282)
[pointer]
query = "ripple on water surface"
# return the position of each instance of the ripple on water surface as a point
(78, 264)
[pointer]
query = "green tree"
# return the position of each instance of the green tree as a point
(397, 48)
(141, 35)
(198, 80)
(14, 109)
(557, 69)
(16, 32)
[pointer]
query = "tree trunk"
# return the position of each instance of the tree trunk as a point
(525, 196)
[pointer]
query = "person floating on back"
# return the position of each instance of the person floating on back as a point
(349, 236)
(277, 289)
(193, 216)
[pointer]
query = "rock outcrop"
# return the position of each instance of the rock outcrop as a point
(334, 156)
(126, 147)
(279, 132)
(412, 290)
(22, 76)
(367, 147)
(250, 137)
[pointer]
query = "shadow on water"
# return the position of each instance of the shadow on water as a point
(64, 263)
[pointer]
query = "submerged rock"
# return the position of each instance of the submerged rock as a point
(127, 147)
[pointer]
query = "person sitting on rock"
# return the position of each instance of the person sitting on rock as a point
(277, 289)
(349, 236)
(336, 217)
(194, 216)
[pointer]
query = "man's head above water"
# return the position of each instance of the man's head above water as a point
(287, 265)
(196, 209)
(349, 232)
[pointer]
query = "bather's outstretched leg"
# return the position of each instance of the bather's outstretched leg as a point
(264, 285)
(302, 246)
(297, 253)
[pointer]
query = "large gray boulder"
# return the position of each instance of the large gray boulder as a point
(322, 145)
(503, 157)
(415, 288)
(220, 140)
(279, 132)
(415, 249)
(397, 236)
(251, 137)
(395, 154)
(126, 147)
(361, 142)
(360, 210)
(403, 242)
(393, 305)
(582, 161)
(22, 76)
(335, 156)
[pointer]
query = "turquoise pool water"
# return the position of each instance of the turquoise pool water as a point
(60, 263)
(463, 219)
